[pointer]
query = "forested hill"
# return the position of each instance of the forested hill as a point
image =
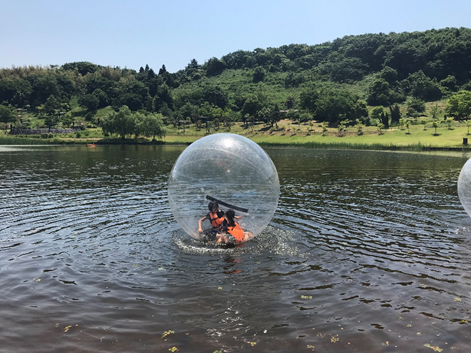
(438, 53)
(379, 69)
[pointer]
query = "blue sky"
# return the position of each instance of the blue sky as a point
(135, 33)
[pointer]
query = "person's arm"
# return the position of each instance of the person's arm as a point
(199, 223)
(238, 217)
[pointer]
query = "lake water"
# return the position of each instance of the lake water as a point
(367, 252)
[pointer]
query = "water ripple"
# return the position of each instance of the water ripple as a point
(365, 248)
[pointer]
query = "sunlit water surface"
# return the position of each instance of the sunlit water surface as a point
(367, 252)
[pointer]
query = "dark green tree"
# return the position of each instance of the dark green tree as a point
(43, 86)
(214, 67)
(384, 119)
(15, 91)
(332, 105)
(450, 83)
(251, 106)
(215, 95)
(51, 105)
(258, 74)
(421, 86)
(389, 75)
(189, 111)
(7, 114)
(395, 114)
(82, 67)
(379, 92)
(162, 97)
(89, 101)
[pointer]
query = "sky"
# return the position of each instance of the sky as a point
(131, 34)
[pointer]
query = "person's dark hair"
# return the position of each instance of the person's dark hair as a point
(230, 217)
(212, 204)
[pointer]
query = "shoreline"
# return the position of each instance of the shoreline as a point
(287, 134)
(260, 139)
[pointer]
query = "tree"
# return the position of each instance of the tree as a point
(421, 86)
(290, 102)
(395, 114)
(214, 67)
(152, 126)
(215, 95)
(51, 120)
(189, 111)
(342, 126)
(449, 121)
(376, 113)
(15, 91)
(264, 114)
(408, 126)
(251, 106)
(83, 67)
(42, 87)
(162, 97)
(121, 123)
(384, 118)
(468, 125)
(330, 104)
(89, 101)
(258, 75)
(389, 75)
(434, 111)
(414, 106)
(380, 128)
(403, 122)
(379, 92)
(50, 107)
(359, 127)
(7, 114)
(459, 105)
(211, 111)
(450, 83)
(275, 117)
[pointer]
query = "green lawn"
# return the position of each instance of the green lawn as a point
(394, 137)
(289, 133)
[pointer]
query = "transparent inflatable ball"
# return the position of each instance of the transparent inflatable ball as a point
(464, 187)
(231, 170)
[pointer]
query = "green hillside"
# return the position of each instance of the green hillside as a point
(369, 79)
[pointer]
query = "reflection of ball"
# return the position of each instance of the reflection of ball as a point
(464, 186)
(230, 168)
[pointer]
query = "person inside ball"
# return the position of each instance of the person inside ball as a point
(216, 217)
(231, 232)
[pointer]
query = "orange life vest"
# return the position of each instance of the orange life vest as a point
(237, 232)
(216, 221)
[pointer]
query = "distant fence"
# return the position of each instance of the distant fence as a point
(16, 131)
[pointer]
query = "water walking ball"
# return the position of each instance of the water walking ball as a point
(464, 187)
(231, 170)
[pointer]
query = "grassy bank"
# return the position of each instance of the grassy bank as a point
(417, 137)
